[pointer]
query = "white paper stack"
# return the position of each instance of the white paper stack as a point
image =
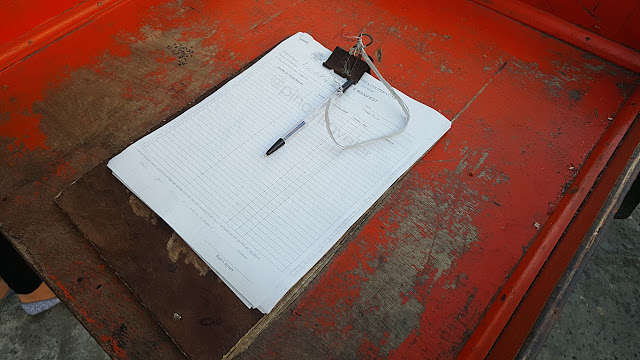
(262, 222)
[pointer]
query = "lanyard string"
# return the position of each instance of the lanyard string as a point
(359, 49)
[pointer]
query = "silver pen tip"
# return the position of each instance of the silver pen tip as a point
(265, 155)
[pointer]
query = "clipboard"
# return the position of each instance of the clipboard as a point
(182, 293)
(163, 272)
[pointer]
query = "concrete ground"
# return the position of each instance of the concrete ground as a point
(601, 319)
(53, 334)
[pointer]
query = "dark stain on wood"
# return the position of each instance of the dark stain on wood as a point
(167, 279)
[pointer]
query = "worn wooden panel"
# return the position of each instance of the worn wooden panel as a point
(200, 312)
(616, 20)
(420, 273)
(74, 270)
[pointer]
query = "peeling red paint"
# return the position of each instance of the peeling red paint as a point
(404, 297)
(64, 170)
(367, 350)
(24, 131)
(66, 292)
(114, 345)
(68, 295)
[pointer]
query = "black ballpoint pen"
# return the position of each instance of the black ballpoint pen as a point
(280, 142)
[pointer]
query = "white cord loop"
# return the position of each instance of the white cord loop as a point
(359, 49)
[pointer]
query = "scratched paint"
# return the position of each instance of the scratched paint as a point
(402, 258)
(19, 137)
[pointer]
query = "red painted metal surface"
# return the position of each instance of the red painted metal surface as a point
(18, 17)
(521, 279)
(613, 19)
(19, 47)
(515, 332)
(573, 34)
(537, 254)
(419, 276)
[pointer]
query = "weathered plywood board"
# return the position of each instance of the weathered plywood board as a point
(179, 289)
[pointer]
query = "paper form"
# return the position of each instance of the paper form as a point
(262, 222)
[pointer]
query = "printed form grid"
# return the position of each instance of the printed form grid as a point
(260, 210)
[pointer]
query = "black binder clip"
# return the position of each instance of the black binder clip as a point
(348, 64)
